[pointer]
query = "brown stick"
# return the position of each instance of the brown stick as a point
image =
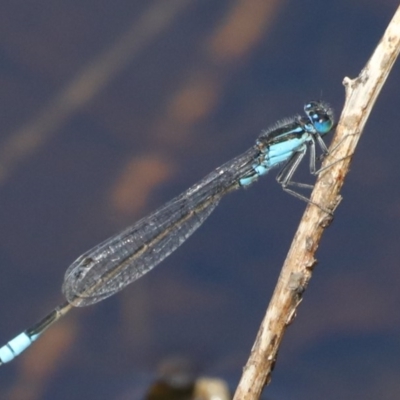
(361, 94)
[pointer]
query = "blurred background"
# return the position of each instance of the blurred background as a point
(108, 110)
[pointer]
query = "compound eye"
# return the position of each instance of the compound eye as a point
(322, 123)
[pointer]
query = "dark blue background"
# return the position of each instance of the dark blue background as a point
(190, 97)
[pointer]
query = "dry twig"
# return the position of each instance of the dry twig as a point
(361, 94)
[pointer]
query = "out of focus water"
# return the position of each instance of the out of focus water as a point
(109, 109)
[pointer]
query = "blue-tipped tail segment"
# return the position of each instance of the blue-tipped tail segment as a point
(16, 346)
(21, 342)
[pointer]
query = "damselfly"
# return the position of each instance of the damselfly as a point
(110, 266)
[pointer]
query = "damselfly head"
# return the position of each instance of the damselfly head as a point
(320, 115)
